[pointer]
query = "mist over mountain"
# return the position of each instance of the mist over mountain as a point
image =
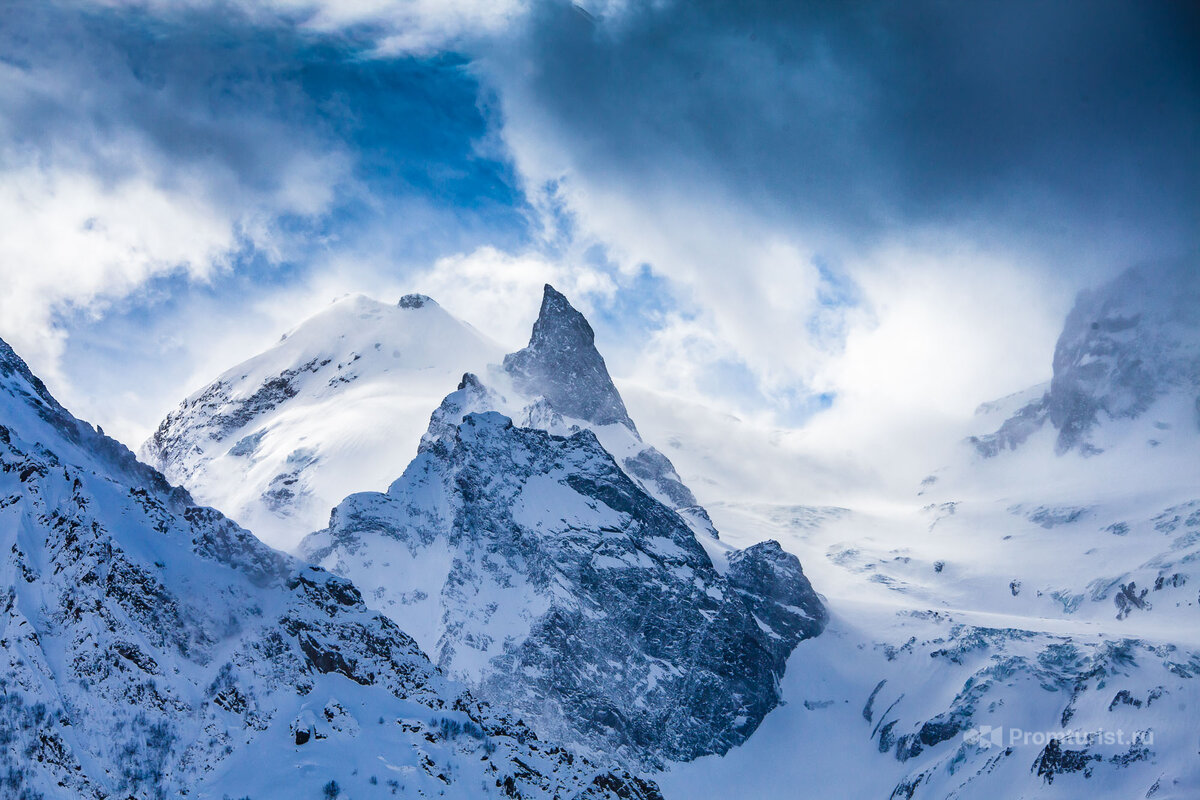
(1021, 622)
(1126, 347)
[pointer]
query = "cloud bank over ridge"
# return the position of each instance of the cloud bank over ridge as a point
(777, 210)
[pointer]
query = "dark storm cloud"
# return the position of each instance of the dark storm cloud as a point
(107, 90)
(1068, 120)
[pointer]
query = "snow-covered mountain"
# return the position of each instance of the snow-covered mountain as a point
(340, 403)
(1026, 625)
(337, 406)
(552, 568)
(152, 648)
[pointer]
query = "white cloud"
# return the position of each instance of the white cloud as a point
(68, 239)
(412, 27)
(952, 326)
(114, 173)
(499, 293)
(72, 240)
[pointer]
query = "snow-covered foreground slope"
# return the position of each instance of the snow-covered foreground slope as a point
(1026, 623)
(560, 567)
(337, 406)
(152, 649)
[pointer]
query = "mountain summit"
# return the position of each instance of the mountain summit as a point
(559, 566)
(561, 363)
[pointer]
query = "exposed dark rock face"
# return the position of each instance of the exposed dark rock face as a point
(773, 585)
(628, 639)
(562, 364)
(1055, 760)
(415, 301)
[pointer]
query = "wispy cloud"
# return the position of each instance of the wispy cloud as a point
(149, 155)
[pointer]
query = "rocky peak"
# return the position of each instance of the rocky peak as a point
(562, 364)
(1124, 346)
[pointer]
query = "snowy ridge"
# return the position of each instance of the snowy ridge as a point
(336, 406)
(152, 649)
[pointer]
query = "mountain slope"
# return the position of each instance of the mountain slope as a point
(564, 592)
(336, 406)
(152, 648)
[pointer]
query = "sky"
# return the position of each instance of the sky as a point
(857, 219)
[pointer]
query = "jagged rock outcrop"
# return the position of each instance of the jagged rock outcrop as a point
(563, 591)
(562, 364)
(151, 648)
